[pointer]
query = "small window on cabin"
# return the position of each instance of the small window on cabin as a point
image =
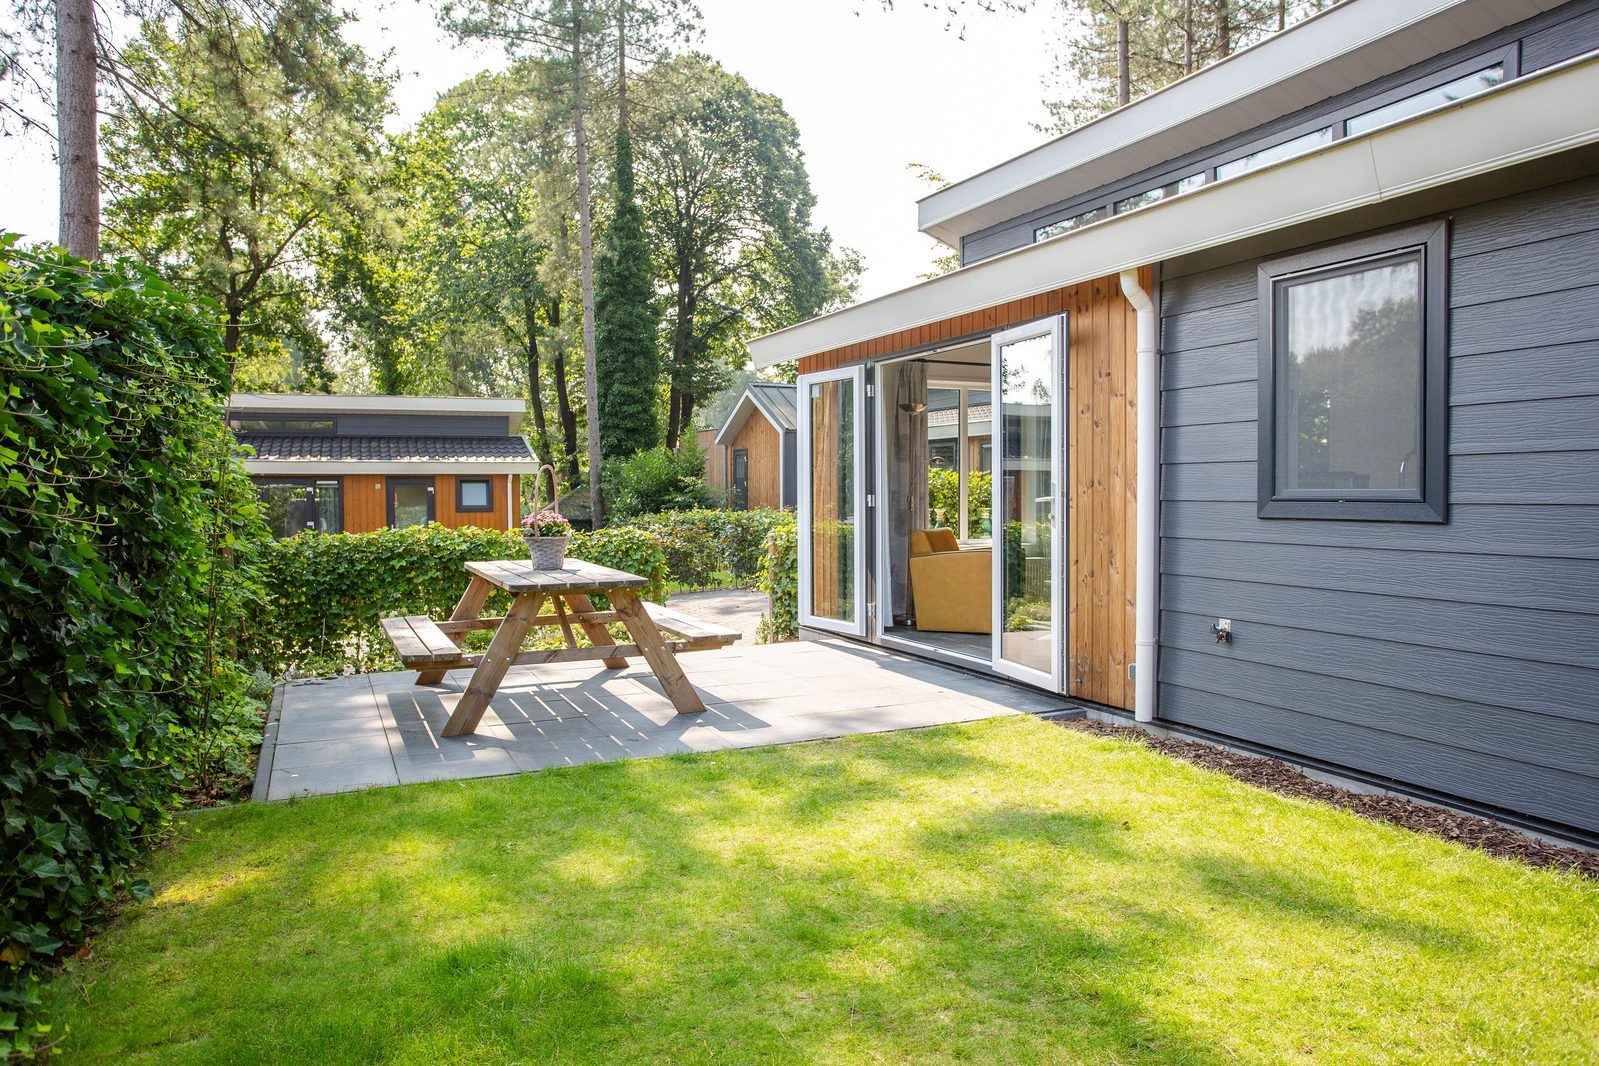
(1163, 192)
(308, 425)
(472, 494)
(1459, 89)
(282, 425)
(1276, 153)
(1066, 225)
(1351, 396)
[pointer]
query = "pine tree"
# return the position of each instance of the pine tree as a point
(627, 319)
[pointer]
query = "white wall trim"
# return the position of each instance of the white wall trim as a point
(1523, 120)
(415, 468)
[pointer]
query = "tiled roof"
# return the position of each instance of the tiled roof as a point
(337, 448)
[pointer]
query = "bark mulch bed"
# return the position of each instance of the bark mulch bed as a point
(1479, 833)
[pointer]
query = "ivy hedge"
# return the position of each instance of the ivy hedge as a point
(780, 581)
(129, 550)
(703, 544)
(329, 592)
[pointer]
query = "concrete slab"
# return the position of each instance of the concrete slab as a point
(384, 729)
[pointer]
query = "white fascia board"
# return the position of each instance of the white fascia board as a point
(1343, 47)
(417, 468)
(325, 403)
(734, 425)
(1525, 119)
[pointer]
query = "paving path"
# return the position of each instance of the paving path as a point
(739, 609)
(368, 730)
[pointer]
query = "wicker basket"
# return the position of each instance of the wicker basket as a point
(547, 553)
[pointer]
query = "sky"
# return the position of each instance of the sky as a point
(871, 90)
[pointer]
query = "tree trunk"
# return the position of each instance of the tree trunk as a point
(1224, 30)
(1188, 36)
(1124, 77)
(563, 400)
(1282, 15)
(535, 386)
(682, 350)
(77, 121)
(585, 248)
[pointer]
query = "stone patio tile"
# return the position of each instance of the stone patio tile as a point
(551, 756)
(454, 764)
(333, 777)
(295, 728)
(330, 752)
(784, 731)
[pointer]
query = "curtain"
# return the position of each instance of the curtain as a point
(907, 477)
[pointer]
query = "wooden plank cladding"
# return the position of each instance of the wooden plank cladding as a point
(1101, 427)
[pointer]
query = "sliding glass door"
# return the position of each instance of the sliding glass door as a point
(832, 501)
(1029, 516)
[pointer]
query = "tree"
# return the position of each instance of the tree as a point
(1117, 50)
(77, 125)
(727, 204)
(236, 140)
(579, 32)
(626, 356)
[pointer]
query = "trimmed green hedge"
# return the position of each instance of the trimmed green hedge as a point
(129, 539)
(780, 581)
(329, 592)
(705, 543)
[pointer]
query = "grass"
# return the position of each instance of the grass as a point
(1005, 891)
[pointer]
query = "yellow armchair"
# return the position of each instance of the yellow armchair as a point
(953, 589)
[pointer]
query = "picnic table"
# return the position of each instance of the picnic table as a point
(551, 598)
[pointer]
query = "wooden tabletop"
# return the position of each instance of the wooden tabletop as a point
(575, 576)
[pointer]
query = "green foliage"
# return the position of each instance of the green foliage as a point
(255, 128)
(702, 543)
(626, 322)
(944, 502)
(656, 480)
(329, 592)
(780, 581)
(130, 551)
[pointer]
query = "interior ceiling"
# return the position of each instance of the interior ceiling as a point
(967, 363)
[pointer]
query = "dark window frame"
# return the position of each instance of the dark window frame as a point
(740, 493)
(263, 481)
(389, 485)
(1431, 241)
(462, 507)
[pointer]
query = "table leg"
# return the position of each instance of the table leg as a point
(468, 608)
(653, 647)
(491, 668)
(598, 635)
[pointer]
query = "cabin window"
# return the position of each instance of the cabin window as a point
(1066, 225)
(1352, 400)
(472, 494)
(301, 505)
(1159, 193)
(1470, 85)
(1308, 142)
(282, 425)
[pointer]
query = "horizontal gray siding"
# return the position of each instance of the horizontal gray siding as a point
(1545, 40)
(1461, 658)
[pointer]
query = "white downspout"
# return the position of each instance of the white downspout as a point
(1146, 563)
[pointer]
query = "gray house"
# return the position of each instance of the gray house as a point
(1291, 372)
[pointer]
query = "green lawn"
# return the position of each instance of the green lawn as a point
(1006, 891)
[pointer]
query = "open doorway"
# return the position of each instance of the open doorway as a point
(935, 453)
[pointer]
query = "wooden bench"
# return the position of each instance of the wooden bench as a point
(433, 647)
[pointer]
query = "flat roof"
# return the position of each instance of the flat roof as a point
(335, 403)
(1341, 48)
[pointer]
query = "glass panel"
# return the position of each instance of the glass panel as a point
(329, 507)
(1459, 89)
(1144, 199)
(1066, 225)
(292, 507)
(1276, 153)
(1027, 501)
(831, 410)
(412, 503)
(257, 425)
(943, 451)
(308, 425)
(1349, 351)
(474, 495)
(741, 479)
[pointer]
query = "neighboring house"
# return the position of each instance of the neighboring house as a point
(715, 460)
(755, 448)
(352, 464)
(1316, 332)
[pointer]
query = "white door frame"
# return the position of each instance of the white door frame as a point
(856, 626)
(1054, 679)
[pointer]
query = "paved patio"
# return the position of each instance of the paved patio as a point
(382, 729)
